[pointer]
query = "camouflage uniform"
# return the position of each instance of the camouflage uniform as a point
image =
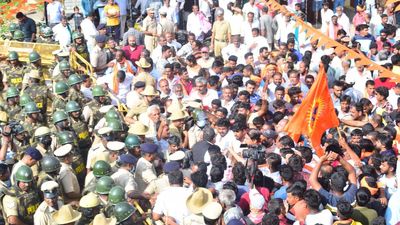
(59, 103)
(40, 94)
(77, 96)
(14, 76)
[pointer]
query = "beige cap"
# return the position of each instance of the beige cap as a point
(89, 201)
(177, 115)
(63, 150)
(101, 219)
(115, 145)
(66, 215)
(138, 128)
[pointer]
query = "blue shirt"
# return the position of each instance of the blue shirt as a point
(28, 27)
(281, 193)
(331, 199)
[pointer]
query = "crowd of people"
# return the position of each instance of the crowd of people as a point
(209, 87)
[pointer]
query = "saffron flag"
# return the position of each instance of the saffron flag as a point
(315, 115)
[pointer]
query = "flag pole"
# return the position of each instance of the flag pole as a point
(340, 133)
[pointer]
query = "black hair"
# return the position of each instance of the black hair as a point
(296, 191)
(390, 160)
(379, 221)
(223, 122)
(286, 172)
(296, 162)
(275, 206)
(208, 134)
(270, 219)
(382, 90)
(229, 185)
(223, 111)
(277, 116)
(306, 153)
(199, 179)
(286, 141)
(239, 174)
(216, 174)
(344, 209)
(274, 160)
(338, 182)
(385, 140)
(363, 195)
(312, 199)
(174, 140)
(219, 160)
(367, 128)
(175, 177)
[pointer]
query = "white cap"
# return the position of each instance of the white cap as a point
(49, 185)
(105, 108)
(104, 130)
(176, 156)
(162, 11)
(212, 210)
(63, 150)
(115, 145)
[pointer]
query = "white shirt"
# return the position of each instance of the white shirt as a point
(62, 35)
(223, 142)
(251, 8)
(359, 81)
(324, 217)
(285, 28)
(393, 98)
(326, 17)
(227, 105)
(247, 27)
(172, 202)
(259, 42)
(204, 7)
(238, 52)
(207, 99)
(54, 12)
(123, 88)
(194, 25)
(89, 31)
(125, 179)
(344, 21)
(236, 24)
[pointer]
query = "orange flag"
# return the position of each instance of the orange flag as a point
(315, 115)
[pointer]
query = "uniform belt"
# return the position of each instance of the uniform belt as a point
(220, 40)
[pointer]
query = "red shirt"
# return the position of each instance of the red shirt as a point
(387, 83)
(133, 54)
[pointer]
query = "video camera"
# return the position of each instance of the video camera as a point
(254, 152)
(15, 128)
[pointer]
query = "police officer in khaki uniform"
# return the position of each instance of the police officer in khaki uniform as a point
(14, 73)
(124, 177)
(51, 204)
(68, 179)
(150, 30)
(99, 150)
(162, 182)
(221, 33)
(115, 149)
(22, 200)
(145, 171)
